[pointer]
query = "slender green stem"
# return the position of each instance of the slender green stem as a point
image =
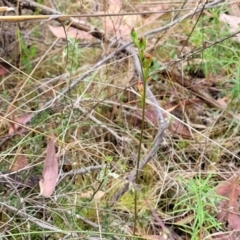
(139, 150)
(145, 63)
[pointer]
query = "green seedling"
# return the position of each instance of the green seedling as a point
(198, 201)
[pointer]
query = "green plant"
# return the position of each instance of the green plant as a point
(198, 205)
(28, 53)
(223, 57)
(146, 63)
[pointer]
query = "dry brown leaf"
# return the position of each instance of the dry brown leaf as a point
(3, 71)
(24, 119)
(71, 32)
(233, 23)
(234, 9)
(178, 128)
(150, 115)
(175, 126)
(229, 208)
(19, 163)
(120, 26)
(50, 171)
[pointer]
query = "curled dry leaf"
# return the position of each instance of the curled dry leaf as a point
(178, 128)
(229, 205)
(50, 171)
(24, 119)
(175, 126)
(4, 69)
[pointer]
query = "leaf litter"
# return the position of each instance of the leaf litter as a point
(121, 27)
(50, 171)
(229, 206)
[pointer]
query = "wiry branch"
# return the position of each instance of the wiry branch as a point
(30, 218)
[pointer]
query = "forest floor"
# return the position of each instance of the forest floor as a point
(76, 162)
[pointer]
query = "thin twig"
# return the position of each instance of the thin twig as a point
(90, 223)
(121, 138)
(32, 219)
